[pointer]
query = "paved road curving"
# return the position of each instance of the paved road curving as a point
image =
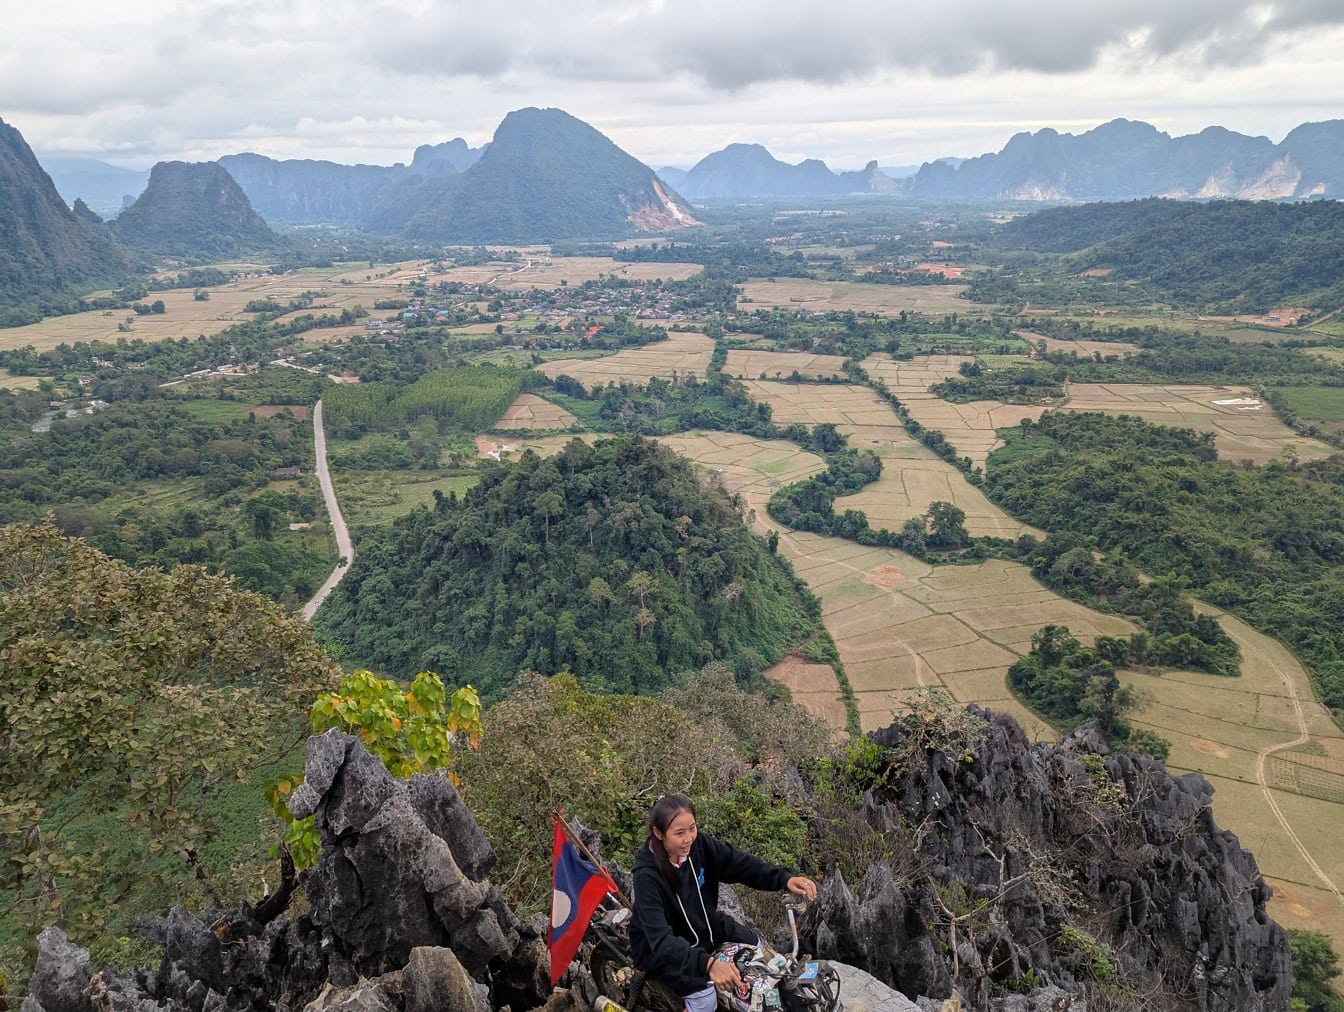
(343, 545)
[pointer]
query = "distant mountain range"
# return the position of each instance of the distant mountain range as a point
(1124, 160)
(545, 176)
(446, 189)
(107, 189)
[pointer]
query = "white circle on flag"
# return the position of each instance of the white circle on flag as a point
(560, 909)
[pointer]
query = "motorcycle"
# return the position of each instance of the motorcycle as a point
(770, 980)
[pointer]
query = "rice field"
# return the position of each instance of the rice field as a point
(1323, 405)
(1084, 349)
(538, 269)
(1244, 428)
(532, 412)
(885, 300)
(345, 288)
(749, 363)
(1228, 729)
(912, 477)
(8, 381)
(684, 353)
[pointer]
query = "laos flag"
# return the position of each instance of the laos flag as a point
(578, 889)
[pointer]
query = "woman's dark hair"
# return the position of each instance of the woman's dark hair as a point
(664, 810)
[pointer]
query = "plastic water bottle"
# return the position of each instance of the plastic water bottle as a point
(605, 1004)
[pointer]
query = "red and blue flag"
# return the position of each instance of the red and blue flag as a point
(577, 889)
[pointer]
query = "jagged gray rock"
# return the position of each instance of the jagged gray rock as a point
(61, 974)
(1026, 835)
(400, 917)
(434, 980)
(1014, 841)
(862, 992)
(386, 882)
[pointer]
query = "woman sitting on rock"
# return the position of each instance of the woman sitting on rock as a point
(677, 924)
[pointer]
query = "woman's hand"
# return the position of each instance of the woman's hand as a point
(724, 975)
(804, 887)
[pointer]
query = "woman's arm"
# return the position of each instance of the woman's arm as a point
(732, 865)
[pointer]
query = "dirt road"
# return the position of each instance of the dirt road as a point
(338, 528)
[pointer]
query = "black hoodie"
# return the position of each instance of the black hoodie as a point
(673, 940)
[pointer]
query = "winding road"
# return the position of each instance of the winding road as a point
(338, 528)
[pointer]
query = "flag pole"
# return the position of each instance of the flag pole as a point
(573, 837)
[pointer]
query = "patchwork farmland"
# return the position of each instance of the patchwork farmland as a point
(684, 353)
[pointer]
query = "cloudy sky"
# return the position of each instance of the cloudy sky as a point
(902, 81)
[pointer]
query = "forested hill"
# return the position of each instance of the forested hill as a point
(47, 254)
(612, 561)
(195, 211)
(1236, 255)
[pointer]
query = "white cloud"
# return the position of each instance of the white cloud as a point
(845, 81)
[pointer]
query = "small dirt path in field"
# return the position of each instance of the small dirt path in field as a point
(527, 264)
(338, 528)
(1250, 645)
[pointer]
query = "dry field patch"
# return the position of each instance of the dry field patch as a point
(1083, 349)
(501, 447)
(299, 411)
(684, 353)
(8, 381)
(910, 380)
(746, 363)
(812, 686)
(185, 317)
(1243, 426)
(912, 477)
(885, 300)
(532, 412)
(540, 270)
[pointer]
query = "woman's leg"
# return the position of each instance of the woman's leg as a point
(702, 1001)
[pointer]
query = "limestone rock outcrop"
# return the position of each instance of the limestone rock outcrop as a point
(1018, 877)
(1017, 844)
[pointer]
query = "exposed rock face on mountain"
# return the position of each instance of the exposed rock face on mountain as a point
(304, 191)
(1162, 907)
(194, 211)
(547, 176)
(1124, 159)
(47, 251)
(100, 185)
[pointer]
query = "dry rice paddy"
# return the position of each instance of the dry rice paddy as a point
(682, 354)
(185, 317)
(532, 412)
(8, 381)
(1244, 428)
(747, 363)
(898, 623)
(912, 477)
(1264, 725)
(1083, 349)
(885, 300)
(539, 270)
